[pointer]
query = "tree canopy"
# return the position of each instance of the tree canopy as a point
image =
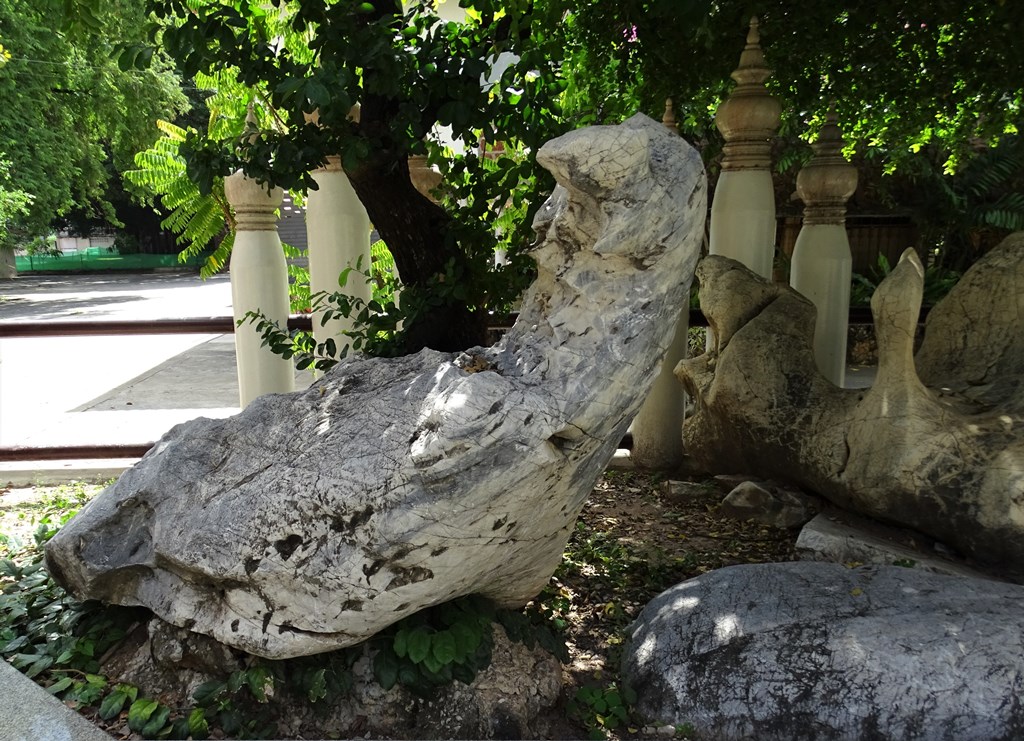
(70, 116)
(903, 74)
(411, 74)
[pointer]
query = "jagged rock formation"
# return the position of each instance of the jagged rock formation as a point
(311, 521)
(818, 651)
(951, 467)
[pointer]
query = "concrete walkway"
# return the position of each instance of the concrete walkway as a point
(117, 390)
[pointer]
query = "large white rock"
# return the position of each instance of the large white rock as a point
(818, 651)
(311, 521)
(949, 466)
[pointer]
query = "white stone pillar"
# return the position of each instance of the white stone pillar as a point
(259, 282)
(743, 210)
(658, 426)
(338, 232)
(822, 264)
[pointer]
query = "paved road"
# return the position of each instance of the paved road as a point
(112, 390)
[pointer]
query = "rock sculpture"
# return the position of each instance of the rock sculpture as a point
(950, 467)
(826, 652)
(313, 520)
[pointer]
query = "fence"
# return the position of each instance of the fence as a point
(99, 258)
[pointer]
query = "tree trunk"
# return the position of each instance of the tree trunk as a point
(8, 267)
(414, 228)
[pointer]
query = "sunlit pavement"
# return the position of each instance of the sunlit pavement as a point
(112, 390)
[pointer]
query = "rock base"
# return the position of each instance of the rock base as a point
(818, 651)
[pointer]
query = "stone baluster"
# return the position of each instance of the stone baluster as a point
(822, 265)
(259, 282)
(658, 426)
(743, 210)
(338, 233)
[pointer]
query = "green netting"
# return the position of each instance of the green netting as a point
(98, 258)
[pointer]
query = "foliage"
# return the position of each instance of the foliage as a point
(938, 281)
(602, 709)
(924, 92)
(410, 73)
(376, 323)
(14, 203)
(453, 641)
(947, 65)
(961, 214)
(71, 116)
(200, 220)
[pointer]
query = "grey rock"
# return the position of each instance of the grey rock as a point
(847, 539)
(311, 521)
(774, 506)
(681, 492)
(726, 482)
(30, 713)
(817, 651)
(898, 452)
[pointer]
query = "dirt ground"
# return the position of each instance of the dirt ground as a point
(636, 536)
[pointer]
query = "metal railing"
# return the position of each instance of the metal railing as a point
(202, 325)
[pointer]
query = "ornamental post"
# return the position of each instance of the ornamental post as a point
(743, 211)
(338, 233)
(822, 265)
(658, 426)
(259, 283)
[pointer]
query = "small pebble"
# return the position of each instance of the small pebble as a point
(667, 731)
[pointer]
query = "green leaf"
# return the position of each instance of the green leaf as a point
(157, 722)
(260, 682)
(432, 664)
(317, 686)
(112, 704)
(401, 643)
(14, 645)
(235, 681)
(385, 669)
(59, 686)
(140, 712)
(467, 638)
(443, 647)
(419, 644)
(208, 691)
(198, 728)
(41, 664)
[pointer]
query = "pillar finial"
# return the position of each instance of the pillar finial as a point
(668, 118)
(749, 117)
(826, 183)
(252, 124)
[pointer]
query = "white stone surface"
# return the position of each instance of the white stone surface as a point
(338, 231)
(815, 651)
(311, 521)
(259, 283)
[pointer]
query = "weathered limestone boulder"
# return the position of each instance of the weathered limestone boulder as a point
(313, 520)
(768, 504)
(974, 336)
(818, 651)
(898, 452)
(846, 538)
